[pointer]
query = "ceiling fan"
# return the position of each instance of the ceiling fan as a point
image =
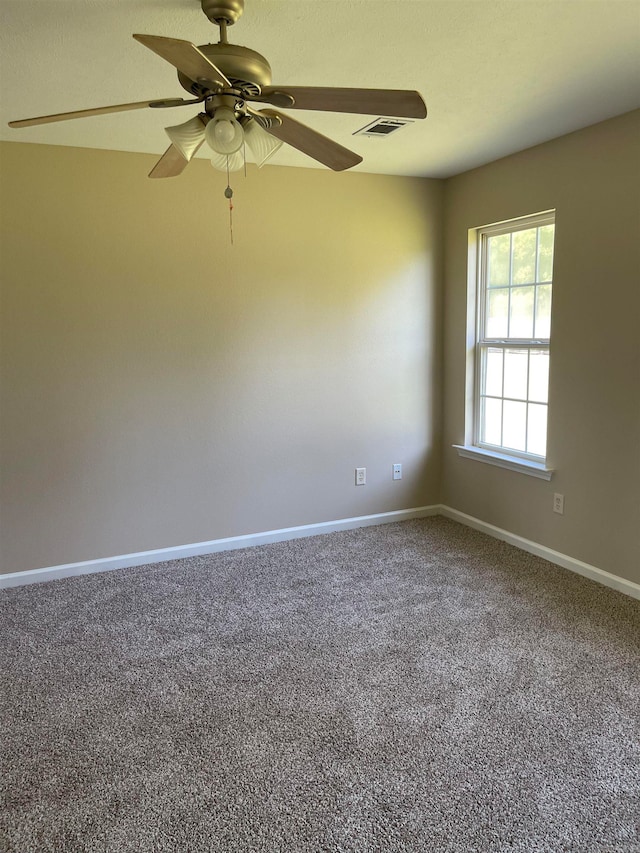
(224, 77)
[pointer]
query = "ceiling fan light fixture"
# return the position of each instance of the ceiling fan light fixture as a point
(261, 144)
(224, 132)
(228, 162)
(187, 137)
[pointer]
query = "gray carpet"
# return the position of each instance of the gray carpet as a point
(409, 687)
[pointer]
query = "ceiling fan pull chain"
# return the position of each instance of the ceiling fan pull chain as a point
(228, 193)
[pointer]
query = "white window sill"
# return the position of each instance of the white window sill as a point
(502, 460)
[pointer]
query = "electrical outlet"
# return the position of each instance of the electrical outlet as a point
(361, 476)
(558, 503)
(397, 471)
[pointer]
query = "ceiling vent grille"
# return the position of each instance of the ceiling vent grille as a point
(381, 127)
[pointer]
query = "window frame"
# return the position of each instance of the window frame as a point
(478, 342)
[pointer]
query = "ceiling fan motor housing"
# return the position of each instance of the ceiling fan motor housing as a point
(247, 69)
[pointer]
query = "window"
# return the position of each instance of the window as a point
(511, 354)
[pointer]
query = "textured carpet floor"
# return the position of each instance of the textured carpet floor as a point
(409, 687)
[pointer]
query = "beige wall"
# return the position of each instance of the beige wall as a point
(161, 387)
(592, 179)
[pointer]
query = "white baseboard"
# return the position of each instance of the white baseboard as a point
(162, 555)
(588, 571)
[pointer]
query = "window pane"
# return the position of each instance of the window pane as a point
(493, 373)
(497, 311)
(543, 311)
(521, 320)
(491, 425)
(537, 433)
(514, 306)
(498, 260)
(524, 256)
(539, 375)
(514, 428)
(545, 252)
(515, 374)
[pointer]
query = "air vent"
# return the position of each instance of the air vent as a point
(381, 127)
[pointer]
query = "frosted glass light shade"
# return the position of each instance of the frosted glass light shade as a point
(187, 137)
(261, 144)
(224, 132)
(236, 161)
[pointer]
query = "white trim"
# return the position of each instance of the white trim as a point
(585, 569)
(519, 223)
(161, 555)
(474, 412)
(511, 463)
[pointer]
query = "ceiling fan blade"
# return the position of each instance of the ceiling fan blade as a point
(186, 57)
(98, 111)
(171, 164)
(310, 142)
(385, 102)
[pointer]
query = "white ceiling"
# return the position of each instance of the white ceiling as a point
(497, 75)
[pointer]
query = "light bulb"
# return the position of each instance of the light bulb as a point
(224, 132)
